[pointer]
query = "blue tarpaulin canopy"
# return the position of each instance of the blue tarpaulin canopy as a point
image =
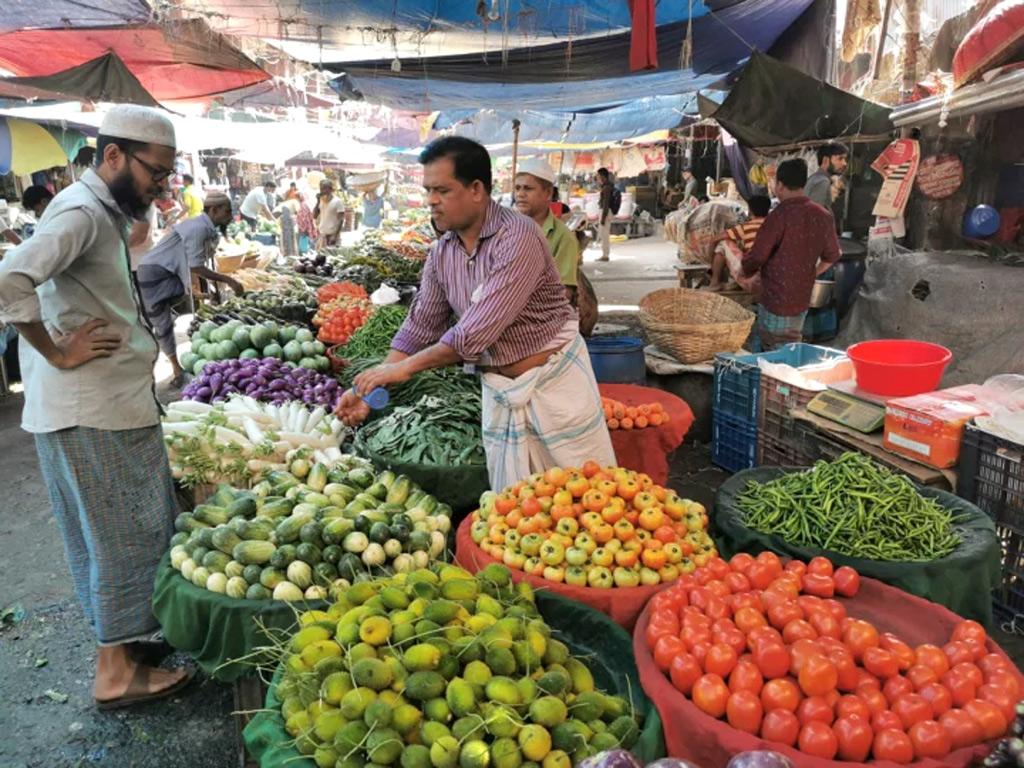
(60, 14)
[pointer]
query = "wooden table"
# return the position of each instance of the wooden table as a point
(691, 275)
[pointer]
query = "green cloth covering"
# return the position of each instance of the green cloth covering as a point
(962, 581)
(215, 629)
(564, 249)
(459, 487)
(607, 649)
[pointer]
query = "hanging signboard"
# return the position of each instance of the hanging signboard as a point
(940, 176)
(898, 167)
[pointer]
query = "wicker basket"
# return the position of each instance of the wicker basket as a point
(228, 264)
(694, 325)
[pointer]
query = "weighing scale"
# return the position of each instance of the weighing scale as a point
(844, 402)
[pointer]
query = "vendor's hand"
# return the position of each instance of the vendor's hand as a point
(82, 345)
(237, 287)
(351, 409)
(380, 376)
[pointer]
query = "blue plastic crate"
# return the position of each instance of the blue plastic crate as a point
(738, 379)
(734, 443)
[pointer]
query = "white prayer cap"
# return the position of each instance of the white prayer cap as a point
(536, 166)
(137, 123)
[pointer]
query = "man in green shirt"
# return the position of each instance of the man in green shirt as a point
(534, 183)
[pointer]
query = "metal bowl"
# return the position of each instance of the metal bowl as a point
(821, 294)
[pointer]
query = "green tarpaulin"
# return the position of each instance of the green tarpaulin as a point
(961, 581)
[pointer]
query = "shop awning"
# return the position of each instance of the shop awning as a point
(585, 74)
(104, 78)
(181, 60)
(773, 104)
(26, 147)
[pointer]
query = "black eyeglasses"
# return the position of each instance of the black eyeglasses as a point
(155, 173)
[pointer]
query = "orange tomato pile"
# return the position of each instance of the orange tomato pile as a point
(747, 642)
(620, 416)
(593, 527)
(340, 317)
(326, 293)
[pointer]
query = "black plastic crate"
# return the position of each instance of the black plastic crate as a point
(1008, 597)
(992, 476)
(776, 453)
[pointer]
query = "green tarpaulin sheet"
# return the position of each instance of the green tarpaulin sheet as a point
(590, 634)
(961, 581)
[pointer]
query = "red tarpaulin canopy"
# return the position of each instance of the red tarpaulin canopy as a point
(185, 60)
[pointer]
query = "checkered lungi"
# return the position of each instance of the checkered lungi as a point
(113, 497)
(775, 330)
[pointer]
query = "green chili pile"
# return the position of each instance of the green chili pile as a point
(436, 431)
(373, 339)
(852, 506)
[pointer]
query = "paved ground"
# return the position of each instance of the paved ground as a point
(635, 268)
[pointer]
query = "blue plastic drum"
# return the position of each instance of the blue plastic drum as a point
(618, 359)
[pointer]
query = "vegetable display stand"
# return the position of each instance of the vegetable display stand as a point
(962, 581)
(647, 450)
(622, 604)
(220, 633)
(706, 741)
(586, 632)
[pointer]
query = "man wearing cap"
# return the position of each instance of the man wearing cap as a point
(87, 365)
(259, 202)
(534, 184)
(165, 273)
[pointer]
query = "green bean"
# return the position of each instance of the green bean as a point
(852, 506)
(438, 431)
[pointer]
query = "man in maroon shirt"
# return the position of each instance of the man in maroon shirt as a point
(796, 243)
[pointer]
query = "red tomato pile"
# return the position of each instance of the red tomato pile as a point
(339, 318)
(769, 650)
(326, 293)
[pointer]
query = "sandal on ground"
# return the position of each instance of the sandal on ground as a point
(140, 681)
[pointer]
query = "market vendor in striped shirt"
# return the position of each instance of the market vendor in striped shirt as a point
(491, 297)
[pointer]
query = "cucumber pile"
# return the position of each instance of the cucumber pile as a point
(437, 668)
(308, 532)
(237, 340)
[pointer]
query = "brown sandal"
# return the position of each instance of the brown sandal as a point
(141, 678)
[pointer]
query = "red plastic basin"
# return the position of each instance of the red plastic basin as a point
(898, 367)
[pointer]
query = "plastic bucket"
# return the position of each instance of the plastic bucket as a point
(898, 367)
(618, 359)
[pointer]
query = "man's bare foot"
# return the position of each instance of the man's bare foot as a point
(715, 287)
(121, 681)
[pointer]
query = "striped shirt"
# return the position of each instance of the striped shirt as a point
(506, 298)
(744, 234)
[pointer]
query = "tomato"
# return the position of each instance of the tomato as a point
(816, 739)
(720, 660)
(847, 581)
(710, 694)
(757, 634)
(800, 651)
(859, 636)
(874, 699)
(655, 632)
(799, 567)
(958, 652)
(699, 651)
(693, 635)
(666, 649)
(837, 609)
(718, 568)
(684, 672)
(818, 676)
(932, 656)
(886, 719)
(939, 697)
(737, 582)
(852, 706)
(717, 609)
(824, 624)
(846, 669)
(880, 662)
(930, 740)
(780, 694)
(733, 638)
(1006, 679)
(963, 730)
(903, 652)
(718, 589)
(747, 600)
(969, 671)
(669, 600)
(820, 566)
(912, 708)
(771, 560)
(892, 744)
(961, 688)
(780, 614)
(760, 575)
(746, 677)
(741, 561)
(969, 630)
(919, 675)
(866, 680)
(773, 659)
(854, 736)
(895, 687)
(780, 725)
(1002, 698)
(796, 630)
(743, 710)
(815, 708)
(992, 662)
(809, 604)
(978, 650)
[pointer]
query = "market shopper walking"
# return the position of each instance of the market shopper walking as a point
(165, 272)
(87, 367)
(259, 202)
(534, 186)
(795, 244)
(491, 270)
(191, 199)
(329, 214)
(604, 227)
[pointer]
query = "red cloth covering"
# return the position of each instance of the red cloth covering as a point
(646, 450)
(700, 738)
(623, 605)
(643, 42)
(996, 38)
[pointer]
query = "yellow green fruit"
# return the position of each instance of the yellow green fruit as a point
(474, 754)
(548, 711)
(534, 742)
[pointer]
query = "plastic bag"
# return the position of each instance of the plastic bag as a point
(385, 295)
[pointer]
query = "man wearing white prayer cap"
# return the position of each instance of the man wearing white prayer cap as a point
(90, 397)
(533, 191)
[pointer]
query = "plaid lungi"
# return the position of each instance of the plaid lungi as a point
(775, 330)
(113, 498)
